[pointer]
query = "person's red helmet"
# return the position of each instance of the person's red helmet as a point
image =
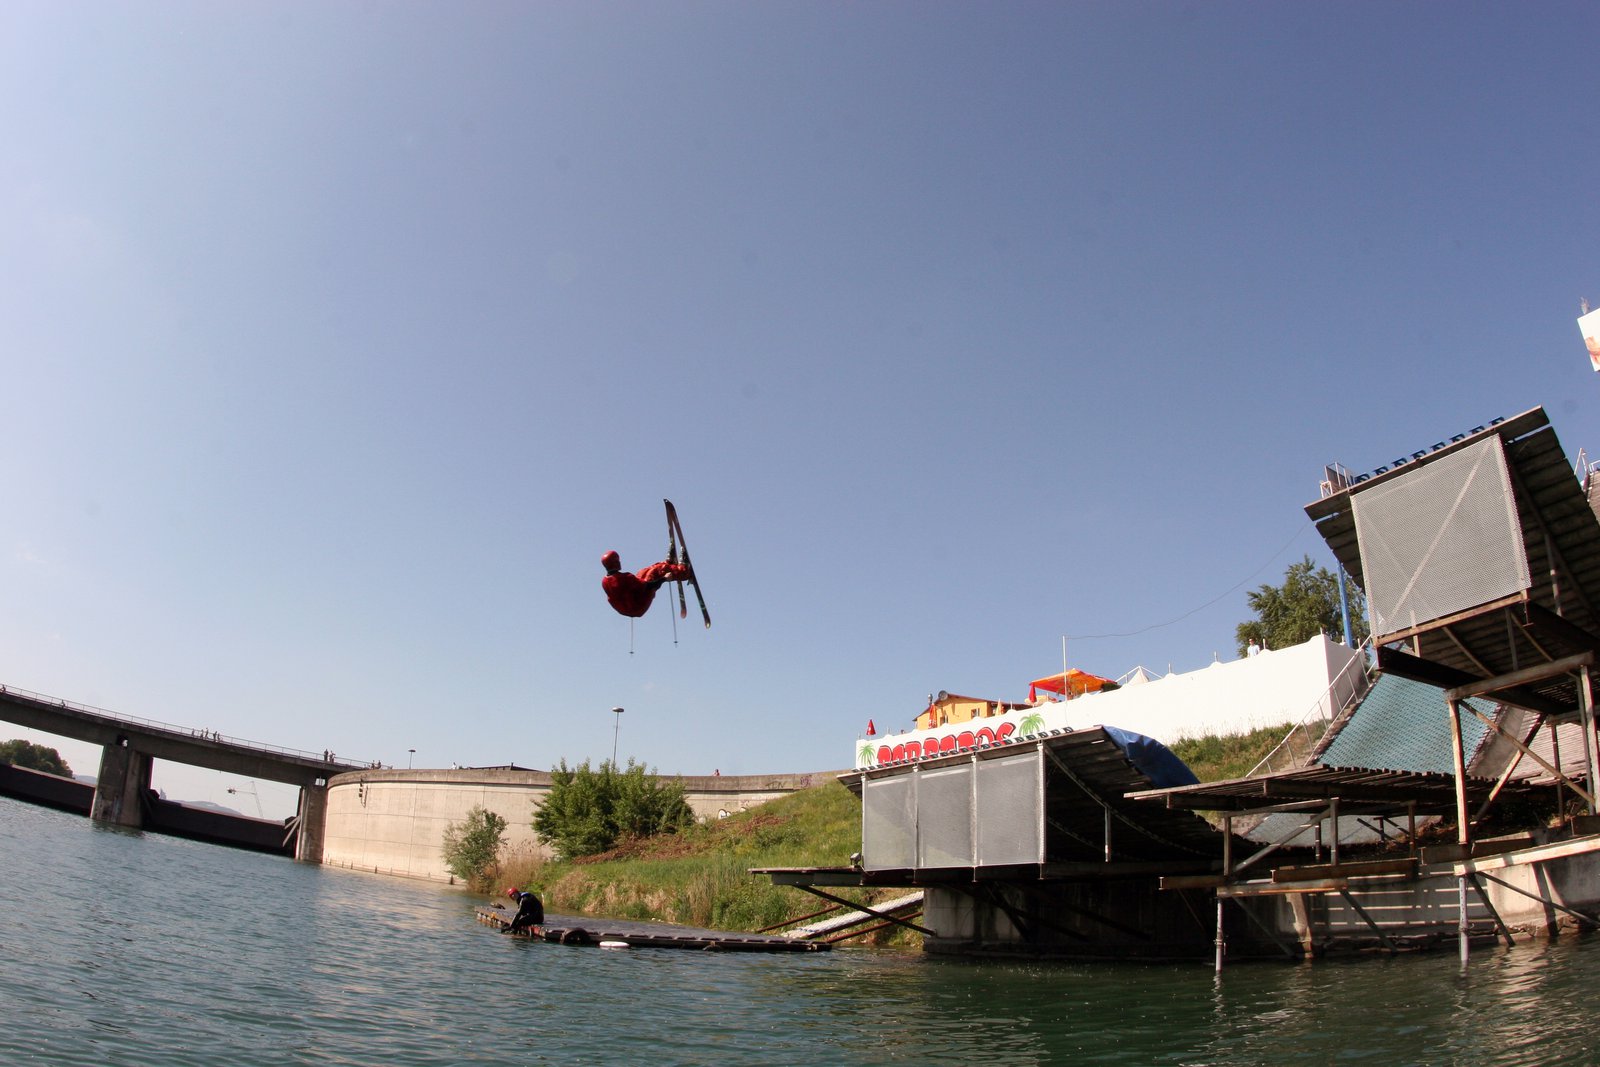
(611, 561)
(512, 892)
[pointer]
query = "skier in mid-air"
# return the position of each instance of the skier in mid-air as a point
(632, 594)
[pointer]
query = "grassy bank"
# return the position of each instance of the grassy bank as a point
(699, 877)
(1215, 758)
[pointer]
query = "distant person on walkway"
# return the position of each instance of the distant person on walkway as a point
(530, 911)
(632, 594)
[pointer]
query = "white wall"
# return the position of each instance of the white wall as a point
(1267, 689)
(394, 821)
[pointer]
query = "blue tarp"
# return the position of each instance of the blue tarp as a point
(1152, 759)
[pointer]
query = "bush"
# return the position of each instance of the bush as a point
(588, 811)
(472, 847)
(34, 757)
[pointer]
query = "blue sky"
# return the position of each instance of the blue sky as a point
(341, 340)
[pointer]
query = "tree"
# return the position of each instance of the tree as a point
(1306, 604)
(472, 847)
(34, 757)
(589, 811)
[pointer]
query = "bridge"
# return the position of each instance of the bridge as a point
(129, 747)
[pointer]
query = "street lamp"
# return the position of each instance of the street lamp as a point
(409, 758)
(614, 735)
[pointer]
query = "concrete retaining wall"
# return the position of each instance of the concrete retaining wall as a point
(393, 821)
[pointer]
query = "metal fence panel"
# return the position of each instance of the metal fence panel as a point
(1008, 792)
(944, 817)
(1441, 538)
(889, 823)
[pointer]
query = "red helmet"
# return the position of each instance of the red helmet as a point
(512, 892)
(611, 561)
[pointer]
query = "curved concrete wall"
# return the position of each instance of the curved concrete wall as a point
(393, 821)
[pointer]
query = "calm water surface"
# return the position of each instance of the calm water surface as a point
(123, 948)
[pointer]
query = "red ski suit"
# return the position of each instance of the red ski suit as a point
(632, 594)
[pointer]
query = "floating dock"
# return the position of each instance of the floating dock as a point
(620, 933)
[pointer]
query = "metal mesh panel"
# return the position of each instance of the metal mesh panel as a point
(1008, 805)
(888, 823)
(944, 817)
(1440, 539)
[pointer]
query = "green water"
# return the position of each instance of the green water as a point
(123, 948)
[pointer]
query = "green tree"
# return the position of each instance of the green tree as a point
(34, 757)
(472, 847)
(588, 811)
(1306, 604)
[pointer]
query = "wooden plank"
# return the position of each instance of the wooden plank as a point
(1269, 889)
(1539, 854)
(1525, 676)
(1365, 869)
(1193, 881)
(1452, 852)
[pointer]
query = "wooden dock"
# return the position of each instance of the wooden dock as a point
(621, 933)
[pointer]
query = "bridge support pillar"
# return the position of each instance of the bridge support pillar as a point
(313, 821)
(124, 780)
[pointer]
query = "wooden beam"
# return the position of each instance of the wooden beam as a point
(1393, 661)
(1268, 889)
(1577, 846)
(1486, 608)
(1193, 881)
(1538, 673)
(1369, 868)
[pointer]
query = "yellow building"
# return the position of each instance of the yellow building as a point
(948, 708)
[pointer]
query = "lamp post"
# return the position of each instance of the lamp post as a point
(411, 755)
(614, 735)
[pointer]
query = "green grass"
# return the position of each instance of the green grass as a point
(1215, 758)
(700, 876)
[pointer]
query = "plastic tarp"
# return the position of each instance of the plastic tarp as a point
(1152, 759)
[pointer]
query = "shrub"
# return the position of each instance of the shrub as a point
(472, 847)
(588, 811)
(34, 757)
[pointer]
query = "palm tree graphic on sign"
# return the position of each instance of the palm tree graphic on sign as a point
(867, 753)
(1030, 724)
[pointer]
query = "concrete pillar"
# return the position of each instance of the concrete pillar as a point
(313, 822)
(124, 779)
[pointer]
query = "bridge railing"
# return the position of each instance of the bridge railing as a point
(187, 731)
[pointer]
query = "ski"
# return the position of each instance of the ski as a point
(676, 530)
(672, 557)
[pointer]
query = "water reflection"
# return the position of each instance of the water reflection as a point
(134, 949)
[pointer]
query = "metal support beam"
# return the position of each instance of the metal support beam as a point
(1488, 906)
(1359, 910)
(853, 906)
(1583, 917)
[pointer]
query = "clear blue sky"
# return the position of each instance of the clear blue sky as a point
(340, 340)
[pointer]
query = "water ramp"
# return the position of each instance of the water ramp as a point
(620, 933)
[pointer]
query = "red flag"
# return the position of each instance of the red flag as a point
(871, 729)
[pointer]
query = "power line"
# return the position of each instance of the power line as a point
(1226, 592)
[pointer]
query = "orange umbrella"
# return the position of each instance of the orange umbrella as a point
(1073, 683)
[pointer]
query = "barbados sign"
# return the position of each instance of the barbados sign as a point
(1023, 724)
